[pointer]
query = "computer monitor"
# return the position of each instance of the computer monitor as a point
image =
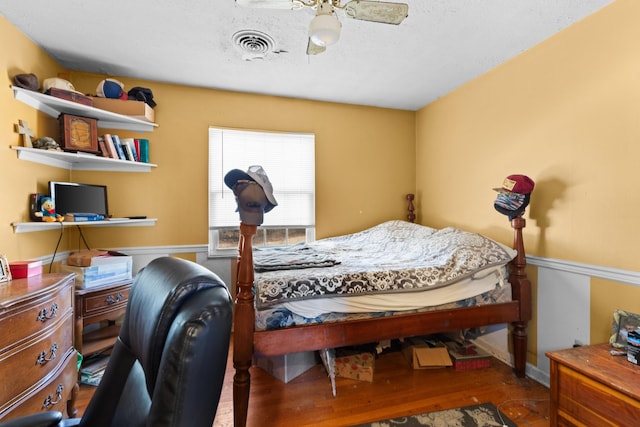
(70, 197)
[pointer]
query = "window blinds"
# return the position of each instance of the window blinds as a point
(287, 158)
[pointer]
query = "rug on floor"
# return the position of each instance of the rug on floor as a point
(482, 415)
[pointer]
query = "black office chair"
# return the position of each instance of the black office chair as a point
(168, 364)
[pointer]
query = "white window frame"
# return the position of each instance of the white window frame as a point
(289, 161)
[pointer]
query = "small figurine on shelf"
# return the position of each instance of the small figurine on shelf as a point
(48, 211)
(46, 143)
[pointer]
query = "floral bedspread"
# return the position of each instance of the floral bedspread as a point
(395, 256)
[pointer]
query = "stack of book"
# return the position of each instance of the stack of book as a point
(83, 217)
(131, 149)
(93, 369)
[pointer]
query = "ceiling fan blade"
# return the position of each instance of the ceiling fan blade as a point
(377, 11)
(269, 4)
(314, 49)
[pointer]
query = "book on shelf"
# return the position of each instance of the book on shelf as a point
(103, 147)
(94, 364)
(119, 148)
(143, 149)
(136, 154)
(129, 149)
(83, 217)
(93, 380)
(111, 148)
(92, 370)
(136, 143)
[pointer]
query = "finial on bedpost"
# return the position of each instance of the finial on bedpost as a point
(411, 216)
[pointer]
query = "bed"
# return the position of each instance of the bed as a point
(287, 315)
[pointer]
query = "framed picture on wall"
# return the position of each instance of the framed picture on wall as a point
(5, 272)
(623, 323)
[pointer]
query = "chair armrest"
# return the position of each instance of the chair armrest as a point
(43, 419)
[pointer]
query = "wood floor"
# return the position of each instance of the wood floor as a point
(397, 390)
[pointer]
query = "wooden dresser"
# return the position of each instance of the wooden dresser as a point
(590, 387)
(38, 363)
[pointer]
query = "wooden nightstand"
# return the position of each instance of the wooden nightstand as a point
(97, 304)
(590, 387)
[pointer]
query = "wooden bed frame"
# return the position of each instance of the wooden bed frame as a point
(247, 341)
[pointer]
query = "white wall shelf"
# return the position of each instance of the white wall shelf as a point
(80, 161)
(54, 106)
(28, 227)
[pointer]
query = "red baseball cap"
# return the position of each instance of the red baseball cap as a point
(520, 184)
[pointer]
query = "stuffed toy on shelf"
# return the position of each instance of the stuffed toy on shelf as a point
(48, 211)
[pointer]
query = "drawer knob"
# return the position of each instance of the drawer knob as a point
(43, 315)
(48, 402)
(43, 358)
(112, 300)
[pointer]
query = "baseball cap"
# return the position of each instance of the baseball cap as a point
(511, 204)
(111, 88)
(520, 184)
(254, 173)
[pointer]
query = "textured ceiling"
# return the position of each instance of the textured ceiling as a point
(441, 45)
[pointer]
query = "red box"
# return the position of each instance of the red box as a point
(22, 269)
(71, 96)
(467, 356)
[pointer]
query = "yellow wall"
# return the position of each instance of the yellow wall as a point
(567, 114)
(19, 179)
(364, 159)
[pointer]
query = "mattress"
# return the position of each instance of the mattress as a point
(280, 317)
(468, 287)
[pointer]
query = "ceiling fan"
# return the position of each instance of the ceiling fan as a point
(324, 29)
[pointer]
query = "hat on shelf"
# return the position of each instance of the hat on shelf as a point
(111, 88)
(142, 94)
(57, 83)
(514, 195)
(257, 174)
(26, 81)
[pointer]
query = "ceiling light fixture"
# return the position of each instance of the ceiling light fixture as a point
(324, 29)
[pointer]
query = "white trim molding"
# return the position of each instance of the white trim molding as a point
(608, 273)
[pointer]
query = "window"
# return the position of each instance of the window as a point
(289, 161)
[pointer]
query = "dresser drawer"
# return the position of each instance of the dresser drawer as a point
(109, 300)
(21, 322)
(583, 401)
(53, 395)
(28, 364)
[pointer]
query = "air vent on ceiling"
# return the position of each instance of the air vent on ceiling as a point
(253, 44)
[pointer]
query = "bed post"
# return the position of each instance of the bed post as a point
(243, 326)
(521, 290)
(410, 215)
